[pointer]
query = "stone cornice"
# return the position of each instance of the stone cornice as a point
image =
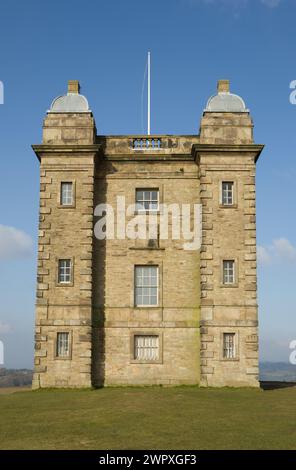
(140, 156)
(73, 150)
(255, 149)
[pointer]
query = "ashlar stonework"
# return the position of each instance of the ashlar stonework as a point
(205, 330)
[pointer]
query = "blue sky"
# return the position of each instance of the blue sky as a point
(104, 45)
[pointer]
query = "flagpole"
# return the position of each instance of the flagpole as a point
(148, 130)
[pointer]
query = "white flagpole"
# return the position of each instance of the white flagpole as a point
(148, 130)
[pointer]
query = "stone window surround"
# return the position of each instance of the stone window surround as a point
(235, 195)
(63, 358)
(150, 186)
(160, 274)
(67, 206)
(145, 333)
(64, 284)
(236, 272)
(148, 211)
(236, 343)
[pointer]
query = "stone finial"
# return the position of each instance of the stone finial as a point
(73, 86)
(223, 86)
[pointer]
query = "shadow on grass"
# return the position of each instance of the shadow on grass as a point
(273, 385)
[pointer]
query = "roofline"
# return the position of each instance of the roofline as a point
(145, 136)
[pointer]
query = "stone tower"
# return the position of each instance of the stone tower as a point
(146, 311)
(225, 154)
(67, 155)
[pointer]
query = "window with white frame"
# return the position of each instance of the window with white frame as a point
(229, 346)
(147, 200)
(227, 193)
(66, 193)
(146, 347)
(228, 272)
(65, 271)
(63, 345)
(146, 285)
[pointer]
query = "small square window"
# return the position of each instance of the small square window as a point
(147, 200)
(229, 346)
(65, 271)
(227, 193)
(228, 272)
(146, 286)
(146, 348)
(67, 194)
(63, 345)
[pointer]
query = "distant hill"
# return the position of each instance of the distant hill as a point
(269, 371)
(277, 371)
(15, 377)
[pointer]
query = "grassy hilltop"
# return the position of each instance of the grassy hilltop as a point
(149, 418)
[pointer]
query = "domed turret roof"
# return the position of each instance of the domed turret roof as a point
(225, 102)
(72, 102)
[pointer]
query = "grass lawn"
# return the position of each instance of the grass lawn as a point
(149, 418)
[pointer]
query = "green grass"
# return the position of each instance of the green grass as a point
(149, 418)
